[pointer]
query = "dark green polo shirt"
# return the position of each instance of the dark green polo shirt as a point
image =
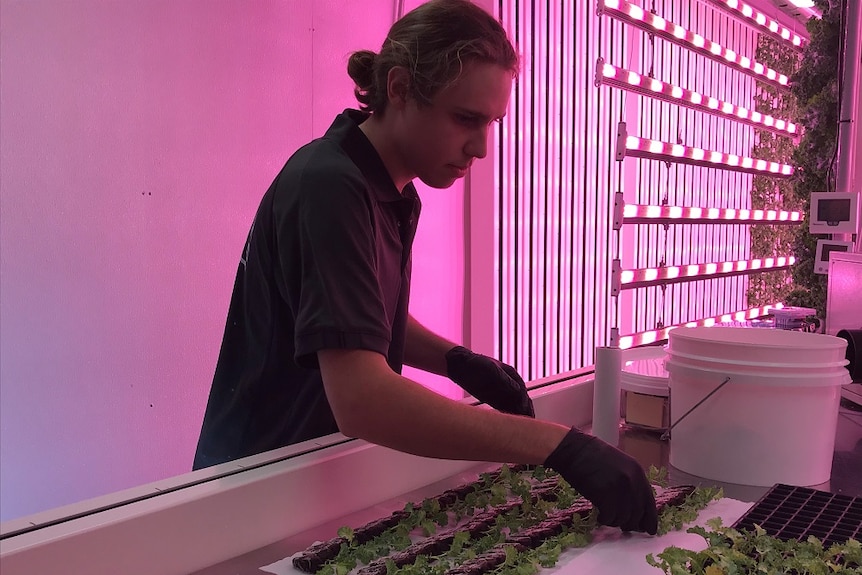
(326, 265)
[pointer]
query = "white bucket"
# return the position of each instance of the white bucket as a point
(643, 381)
(757, 346)
(759, 429)
(643, 371)
(775, 419)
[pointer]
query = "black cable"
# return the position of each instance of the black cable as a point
(830, 171)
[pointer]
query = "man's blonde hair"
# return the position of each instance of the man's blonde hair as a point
(433, 42)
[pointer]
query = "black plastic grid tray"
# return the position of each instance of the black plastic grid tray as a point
(787, 512)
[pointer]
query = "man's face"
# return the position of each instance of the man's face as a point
(440, 140)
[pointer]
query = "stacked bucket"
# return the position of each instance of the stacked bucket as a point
(754, 407)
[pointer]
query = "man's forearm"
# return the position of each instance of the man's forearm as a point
(424, 423)
(372, 403)
(425, 349)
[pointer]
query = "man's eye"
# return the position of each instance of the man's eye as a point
(466, 120)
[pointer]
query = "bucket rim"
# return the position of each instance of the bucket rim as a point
(815, 340)
(840, 363)
(652, 391)
(647, 386)
(834, 379)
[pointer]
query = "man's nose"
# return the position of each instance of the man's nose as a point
(477, 145)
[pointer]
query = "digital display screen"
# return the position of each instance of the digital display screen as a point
(833, 210)
(829, 248)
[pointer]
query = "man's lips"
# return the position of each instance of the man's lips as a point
(460, 171)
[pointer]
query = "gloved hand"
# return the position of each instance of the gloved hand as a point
(610, 479)
(489, 381)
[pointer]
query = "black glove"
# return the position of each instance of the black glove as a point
(489, 381)
(614, 482)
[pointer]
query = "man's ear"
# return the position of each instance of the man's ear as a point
(398, 86)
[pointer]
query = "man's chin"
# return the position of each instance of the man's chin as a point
(438, 183)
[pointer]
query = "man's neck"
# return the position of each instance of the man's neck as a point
(375, 129)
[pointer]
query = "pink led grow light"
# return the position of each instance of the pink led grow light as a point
(677, 153)
(764, 24)
(629, 279)
(644, 214)
(653, 336)
(638, 17)
(626, 80)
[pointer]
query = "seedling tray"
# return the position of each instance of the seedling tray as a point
(788, 512)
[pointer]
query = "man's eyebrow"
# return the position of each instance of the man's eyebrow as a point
(479, 115)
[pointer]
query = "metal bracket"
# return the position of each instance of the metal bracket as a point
(619, 208)
(616, 277)
(600, 64)
(615, 337)
(622, 134)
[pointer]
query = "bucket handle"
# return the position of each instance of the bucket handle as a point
(666, 435)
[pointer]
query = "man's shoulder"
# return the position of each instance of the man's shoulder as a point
(324, 170)
(332, 152)
(320, 156)
(322, 161)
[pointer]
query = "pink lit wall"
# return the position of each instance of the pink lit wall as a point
(136, 139)
(558, 173)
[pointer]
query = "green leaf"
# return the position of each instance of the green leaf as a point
(511, 555)
(540, 473)
(428, 527)
(673, 518)
(657, 476)
(346, 532)
(499, 494)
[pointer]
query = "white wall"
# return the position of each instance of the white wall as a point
(136, 139)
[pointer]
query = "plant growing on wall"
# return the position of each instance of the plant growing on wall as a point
(815, 88)
(813, 104)
(771, 193)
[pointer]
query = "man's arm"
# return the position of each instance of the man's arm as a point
(425, 349)
(373, 403)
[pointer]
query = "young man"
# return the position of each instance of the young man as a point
(318, 329)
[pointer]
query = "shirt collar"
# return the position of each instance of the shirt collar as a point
(346, 133)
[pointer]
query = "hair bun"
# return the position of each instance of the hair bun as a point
(360, 67)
